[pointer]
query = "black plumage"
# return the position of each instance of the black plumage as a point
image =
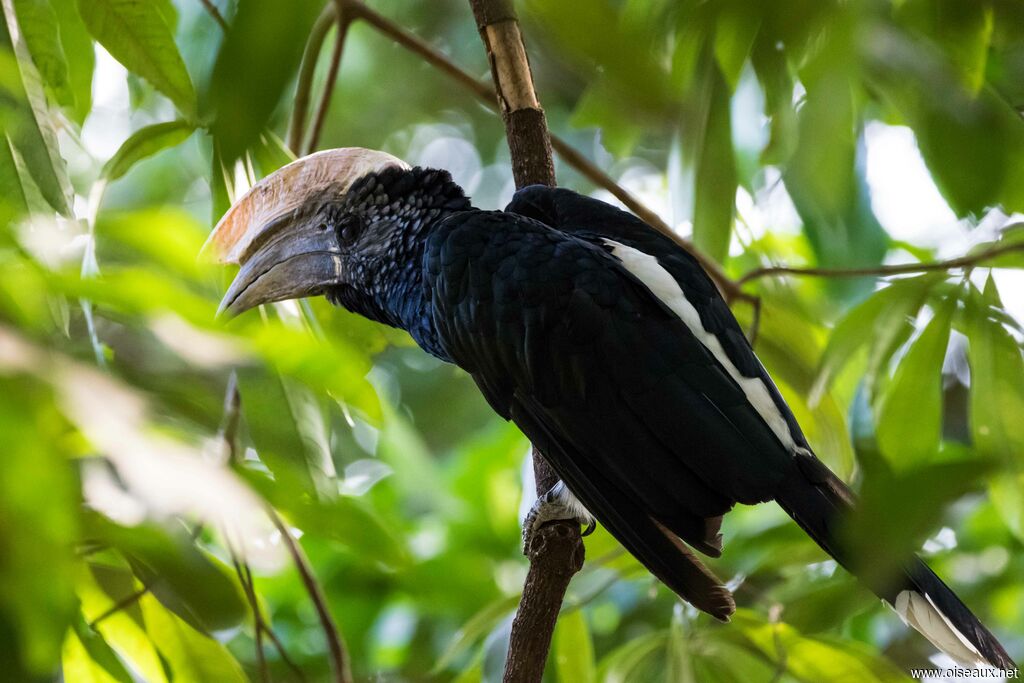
(649, 418)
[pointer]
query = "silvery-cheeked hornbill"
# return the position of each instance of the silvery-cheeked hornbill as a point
(605, 342)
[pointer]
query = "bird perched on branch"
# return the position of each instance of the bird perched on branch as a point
(604, 341)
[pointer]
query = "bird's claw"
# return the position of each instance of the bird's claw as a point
(554, 506)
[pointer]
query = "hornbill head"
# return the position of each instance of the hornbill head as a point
(295, 233)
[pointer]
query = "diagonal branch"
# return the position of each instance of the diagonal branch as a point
(335, 645)
(315, 42)
(215, 13)
(343, 21)
(969, 261)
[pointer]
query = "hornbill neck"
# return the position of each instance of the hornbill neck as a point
(401, 208)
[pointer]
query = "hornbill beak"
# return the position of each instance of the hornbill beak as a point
(278, 234)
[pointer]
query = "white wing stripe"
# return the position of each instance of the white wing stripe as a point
(662, 285)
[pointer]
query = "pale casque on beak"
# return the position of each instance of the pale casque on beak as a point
(276, 232)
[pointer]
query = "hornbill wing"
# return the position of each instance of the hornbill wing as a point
(633, 412)
(815, 498)
(595, 221)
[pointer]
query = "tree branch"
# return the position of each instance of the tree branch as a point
(215, 13)
(555, 550)
(317, 35)
(245, 578)
(343, 21)
(968, 261)
(335, 645)
(124, 603)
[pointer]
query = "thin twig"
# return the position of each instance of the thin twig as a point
(122, 604)
(279, 646)
(304, 84)
(215, 13)
(228, 431)
(335, 645)
(968, 261)
(781, 663)
(245, 578)
(343, 21)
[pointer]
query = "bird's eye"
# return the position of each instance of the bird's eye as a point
(323, 227)
(349, 229)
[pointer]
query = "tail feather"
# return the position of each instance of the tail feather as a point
(817, 500)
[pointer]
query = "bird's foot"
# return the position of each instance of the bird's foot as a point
(558, 504)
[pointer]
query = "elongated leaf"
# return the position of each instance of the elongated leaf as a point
(196, 586)
(39, 25)
(735, 29)
(144, 143)
(620, 664)
(270, 153)
(813, 659)
(910, 413)
(79, 54)
(32, 130)
(876, 321)
(248, 83)
(478, 626)
(87, 658)
(137, 35)
(715, 193)
(997, 401)
(100, 588)
(12, 196)
(574, 649)
(36, 596)
(191, 656)
(889, 525)
(345, 519)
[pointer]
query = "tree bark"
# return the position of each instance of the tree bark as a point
(556, 550)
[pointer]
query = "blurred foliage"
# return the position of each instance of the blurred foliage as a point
(134, 537)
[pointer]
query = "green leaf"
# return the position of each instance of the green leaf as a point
(574, 649)
(885, 546)
(272, 429)
(344, 519)
(597, 108)
(909, 421)
(735, 30)
(813, 659)
(715, 187)
(100, 588)
(1010, 236)
(37, 525)
(221, 185)
(87, 658)
(619, 665)
(191, 656)
(31, 127)
(963, 31)
(478, 626)
(38, 23)
(136, 34)
(192, 583)
(12, 196)
(997, 400)
(248, 83)
(877, 321)
(270, 153)
(144, 143)
(80, 56)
